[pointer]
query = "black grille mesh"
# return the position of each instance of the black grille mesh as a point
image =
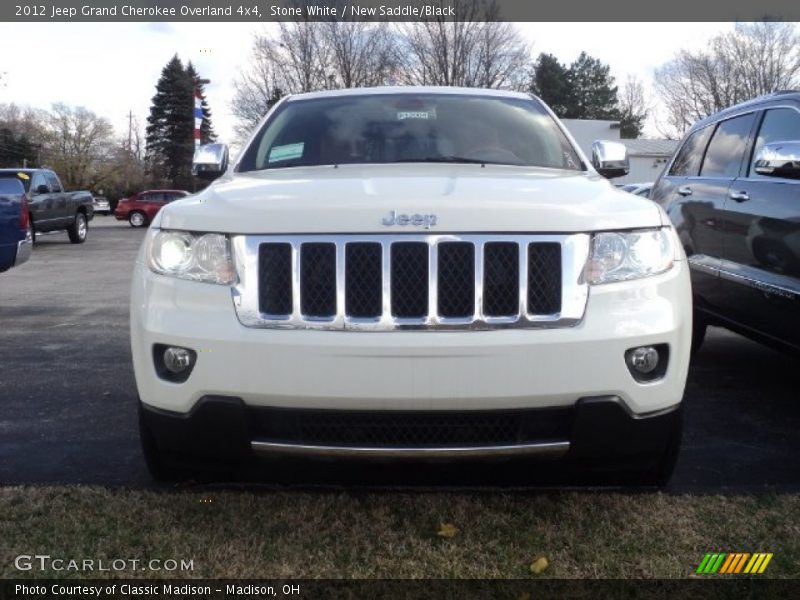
(501, 279)
(363, 280)
(409, 282)
(544, 278)
(275, 278)
(318, 279)
(456, 279)
(410, 429)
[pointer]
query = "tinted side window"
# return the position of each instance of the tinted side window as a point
(726, 149)
(52, 180)
(687, 163)
(779, 125)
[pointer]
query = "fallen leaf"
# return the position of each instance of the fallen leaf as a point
(539, 565)
(447, 530)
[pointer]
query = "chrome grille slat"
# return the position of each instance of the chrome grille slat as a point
(574, 291)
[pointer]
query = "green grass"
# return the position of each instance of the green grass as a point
(394, 535)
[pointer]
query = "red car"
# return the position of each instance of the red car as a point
(140, 208)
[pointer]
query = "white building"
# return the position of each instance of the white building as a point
(647, 157)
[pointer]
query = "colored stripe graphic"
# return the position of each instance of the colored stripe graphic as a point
(734, 563)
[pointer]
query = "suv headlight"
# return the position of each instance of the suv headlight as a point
(624, 255)
(195, 256)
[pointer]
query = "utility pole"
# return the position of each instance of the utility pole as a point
(130, 130)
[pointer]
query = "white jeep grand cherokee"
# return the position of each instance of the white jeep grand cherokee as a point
(412, 273)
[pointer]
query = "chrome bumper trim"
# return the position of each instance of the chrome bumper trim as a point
(281, 449)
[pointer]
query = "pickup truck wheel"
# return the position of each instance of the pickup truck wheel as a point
(79, 229)
(137, 219)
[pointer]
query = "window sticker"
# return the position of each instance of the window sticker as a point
(416, 114)
(286, 152)
(23, 175)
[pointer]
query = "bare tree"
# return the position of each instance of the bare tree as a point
(754, 59)
(256, 88)
(306, 56)
(363, 54)
(77, 142)
(633, 107)
(472, 50)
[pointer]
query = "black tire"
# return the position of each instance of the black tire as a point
(699, 327)
(79, 229)
(137, 219)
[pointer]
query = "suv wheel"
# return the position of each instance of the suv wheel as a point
(79, 229)
(137, 219)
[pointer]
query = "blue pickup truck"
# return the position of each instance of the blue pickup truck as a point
(16, 237)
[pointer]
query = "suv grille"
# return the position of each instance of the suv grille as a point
(409, 282)
(411, 429)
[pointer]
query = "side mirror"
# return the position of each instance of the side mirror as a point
(41, 189)
(779, 159)
(210, 161)
(610, 159)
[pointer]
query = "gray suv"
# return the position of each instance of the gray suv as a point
(733, 192)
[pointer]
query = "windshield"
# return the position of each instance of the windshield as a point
(394, 128)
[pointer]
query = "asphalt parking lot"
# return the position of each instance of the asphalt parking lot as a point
(68, 398)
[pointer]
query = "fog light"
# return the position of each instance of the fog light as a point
(177, 360)
(644, 359)
(173, 363)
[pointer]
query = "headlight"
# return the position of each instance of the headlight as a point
(619, 256)
(196, 256)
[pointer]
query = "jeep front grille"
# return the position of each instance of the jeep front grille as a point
(437, 281)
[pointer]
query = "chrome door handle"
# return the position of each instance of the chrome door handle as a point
(685, 190)
(739, 196)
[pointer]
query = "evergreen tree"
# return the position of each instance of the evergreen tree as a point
(169, 143)
(552, 84)
(583, 90)
(594, 95)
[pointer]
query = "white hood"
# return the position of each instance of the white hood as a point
(464, 197)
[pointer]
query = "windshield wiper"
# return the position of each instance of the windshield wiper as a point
(449, 159)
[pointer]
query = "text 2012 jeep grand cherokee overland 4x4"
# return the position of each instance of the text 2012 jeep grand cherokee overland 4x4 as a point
(412, 272)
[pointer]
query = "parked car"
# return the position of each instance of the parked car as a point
(733, 192)
(50, 207)
(101, 205)
(15, 223)
(412, 273)
(140, 209)
(638, 189)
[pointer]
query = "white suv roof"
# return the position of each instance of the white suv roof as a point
(365, 91)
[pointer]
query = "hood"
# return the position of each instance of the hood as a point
(356, 198)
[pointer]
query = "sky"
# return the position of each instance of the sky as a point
(112, 68)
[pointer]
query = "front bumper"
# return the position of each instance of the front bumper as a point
(411, 370)
(225, 428)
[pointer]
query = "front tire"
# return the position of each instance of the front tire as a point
(79, 229)
(137, 219)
